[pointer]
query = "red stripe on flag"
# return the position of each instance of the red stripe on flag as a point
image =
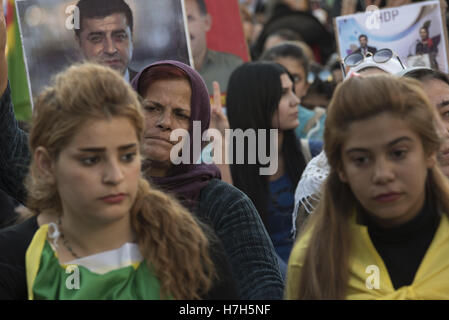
(10, 13)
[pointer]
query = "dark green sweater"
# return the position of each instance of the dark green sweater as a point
(250, 251)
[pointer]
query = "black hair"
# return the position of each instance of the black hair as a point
(286, 34)
(318, 85)
(424, 74)
(363, 36)
(254, 92)
(202, 6)
(287, 50)
(89, 9)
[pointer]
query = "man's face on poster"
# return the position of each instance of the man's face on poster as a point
(199, 25)
(107, 41)
(363, 42)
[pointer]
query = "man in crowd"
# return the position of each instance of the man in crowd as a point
(364, 48)
(105, 34)
(212, 65)
(436, 85)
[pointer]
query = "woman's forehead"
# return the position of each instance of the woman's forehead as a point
(378, 131)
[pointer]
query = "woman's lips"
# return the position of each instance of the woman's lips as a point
(114, 198)
(388, 197)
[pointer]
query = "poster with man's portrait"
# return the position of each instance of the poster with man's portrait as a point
(126, 35)
(415, 32)
(216, 39)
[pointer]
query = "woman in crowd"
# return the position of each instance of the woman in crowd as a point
(175, 97)
(293, 58)
(308, 190)
(99, 230)
(261, 96)
(378, 232)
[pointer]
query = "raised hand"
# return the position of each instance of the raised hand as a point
(3, 63)
(348, 7)
(2, 29)
(397, 3)
(372, 3)
(219, 121)
(217, 118)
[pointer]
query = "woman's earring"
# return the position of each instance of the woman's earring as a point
(55, 234)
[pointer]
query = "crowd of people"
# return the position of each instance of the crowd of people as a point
(319, 182)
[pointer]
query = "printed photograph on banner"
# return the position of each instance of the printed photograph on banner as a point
(415, 32)
(125, 35)
(217, 39)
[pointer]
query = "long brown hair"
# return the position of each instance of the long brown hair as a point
(325, 271)
(170, 239)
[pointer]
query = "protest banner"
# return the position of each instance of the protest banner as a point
(216, 39)
(415, 32)
(52, 39)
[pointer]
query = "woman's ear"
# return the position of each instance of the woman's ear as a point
(342, 176)
(44, 164)
(305, 89)
(431, 160)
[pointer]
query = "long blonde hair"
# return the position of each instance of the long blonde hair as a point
(325, 271)
(170, 239)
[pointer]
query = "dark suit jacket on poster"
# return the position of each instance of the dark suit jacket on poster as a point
(372, 50)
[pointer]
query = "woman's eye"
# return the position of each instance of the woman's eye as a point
(399, 154)
(129, 157)
(90, 160)
(150, 108)
(360, 161)
(183, 116)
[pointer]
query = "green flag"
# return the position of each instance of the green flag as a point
(16, 66)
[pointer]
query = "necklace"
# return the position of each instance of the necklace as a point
(65, 242)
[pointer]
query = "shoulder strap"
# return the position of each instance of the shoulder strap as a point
(33, 257)
(305, 148)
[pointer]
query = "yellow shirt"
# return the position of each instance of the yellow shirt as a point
(368, 275)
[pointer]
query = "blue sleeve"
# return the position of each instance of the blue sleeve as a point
(316, 147)
(14, 151)
(236, 222)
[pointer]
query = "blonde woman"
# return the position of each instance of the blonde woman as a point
(95, 218)
(381, 228)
